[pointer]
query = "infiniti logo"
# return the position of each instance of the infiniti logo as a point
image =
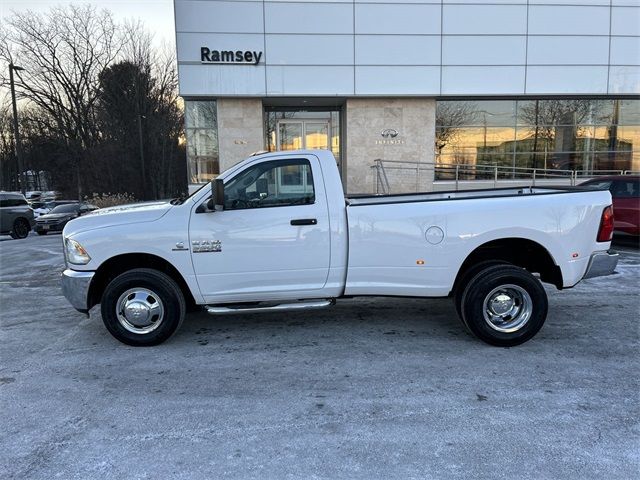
(389, 132)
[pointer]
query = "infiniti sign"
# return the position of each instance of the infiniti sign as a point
(389, 135)
(389, 132)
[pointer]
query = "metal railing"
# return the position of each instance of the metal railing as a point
(411, 175)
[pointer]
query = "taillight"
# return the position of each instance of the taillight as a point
(605, 233)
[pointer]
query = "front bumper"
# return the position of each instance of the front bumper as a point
(75, 287)
(601, 263)
(48, 227)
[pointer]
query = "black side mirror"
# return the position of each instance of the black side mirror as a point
(217, 194)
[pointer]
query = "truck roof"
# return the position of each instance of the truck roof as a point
(320, 153)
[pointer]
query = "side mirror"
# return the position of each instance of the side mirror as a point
(217, 194)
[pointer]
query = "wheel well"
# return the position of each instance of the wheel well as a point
(518, 251)
(122, 263)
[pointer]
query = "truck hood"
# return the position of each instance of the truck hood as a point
(120, 215)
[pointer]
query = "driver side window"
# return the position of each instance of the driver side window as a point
(271, 184)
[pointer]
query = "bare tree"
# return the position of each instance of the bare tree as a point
(141, 110)
(62, 54)
(450, 117)
(99, 103)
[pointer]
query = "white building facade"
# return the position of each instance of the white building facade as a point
(518, 84)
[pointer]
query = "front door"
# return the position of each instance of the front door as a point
(303, 134)
(272, 240)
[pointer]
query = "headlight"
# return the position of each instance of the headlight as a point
(75, 252)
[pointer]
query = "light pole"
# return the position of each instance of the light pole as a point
(16, 130)
(142, 166)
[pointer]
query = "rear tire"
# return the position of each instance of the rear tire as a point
(504, 305)
(142, 307)
(21, 229)
(464, 281)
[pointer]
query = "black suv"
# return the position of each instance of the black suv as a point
(57, 218)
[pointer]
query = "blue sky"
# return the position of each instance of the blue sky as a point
(157, 15)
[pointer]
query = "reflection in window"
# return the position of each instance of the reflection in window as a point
(290, 136)
(553, 134)
(271, 184)
(201, 128)
(291, 175)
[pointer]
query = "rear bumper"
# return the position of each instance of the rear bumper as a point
(601, 264)
(75, 287)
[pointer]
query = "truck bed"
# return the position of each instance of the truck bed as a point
(416, 242)
(357, 200)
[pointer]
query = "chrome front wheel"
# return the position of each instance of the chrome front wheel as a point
(140, 310)
(142, 307)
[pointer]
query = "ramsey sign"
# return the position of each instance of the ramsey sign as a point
(229, 56)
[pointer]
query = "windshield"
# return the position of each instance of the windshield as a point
(198, 190)
(69, 208)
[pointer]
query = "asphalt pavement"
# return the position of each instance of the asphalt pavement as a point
(371, 388)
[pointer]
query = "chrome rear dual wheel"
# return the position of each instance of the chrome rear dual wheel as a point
(503, 305)
(507, 308)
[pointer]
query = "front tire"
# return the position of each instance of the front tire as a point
(142, 307)
(504, 305)
(21, 229)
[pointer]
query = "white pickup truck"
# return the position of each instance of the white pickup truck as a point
(276, 233)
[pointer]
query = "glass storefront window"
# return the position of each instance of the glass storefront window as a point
(201, 129)
(554, 134)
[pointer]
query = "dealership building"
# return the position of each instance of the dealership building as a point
(411, 94)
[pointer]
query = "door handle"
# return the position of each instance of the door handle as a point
(304, 221)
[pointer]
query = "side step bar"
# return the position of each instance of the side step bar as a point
(311, 305)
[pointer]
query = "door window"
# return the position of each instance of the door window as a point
(271, 184)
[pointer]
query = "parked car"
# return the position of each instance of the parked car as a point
(45, 207)
(276, 233)
(16, 216)
(49, 195)
(58, 216)
(33, 195)
(625, 192)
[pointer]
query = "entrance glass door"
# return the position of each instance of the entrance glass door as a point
(303, 134)
(316, 135)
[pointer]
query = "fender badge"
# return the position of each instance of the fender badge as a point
(203, 246)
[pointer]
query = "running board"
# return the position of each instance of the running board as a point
(314, 305)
